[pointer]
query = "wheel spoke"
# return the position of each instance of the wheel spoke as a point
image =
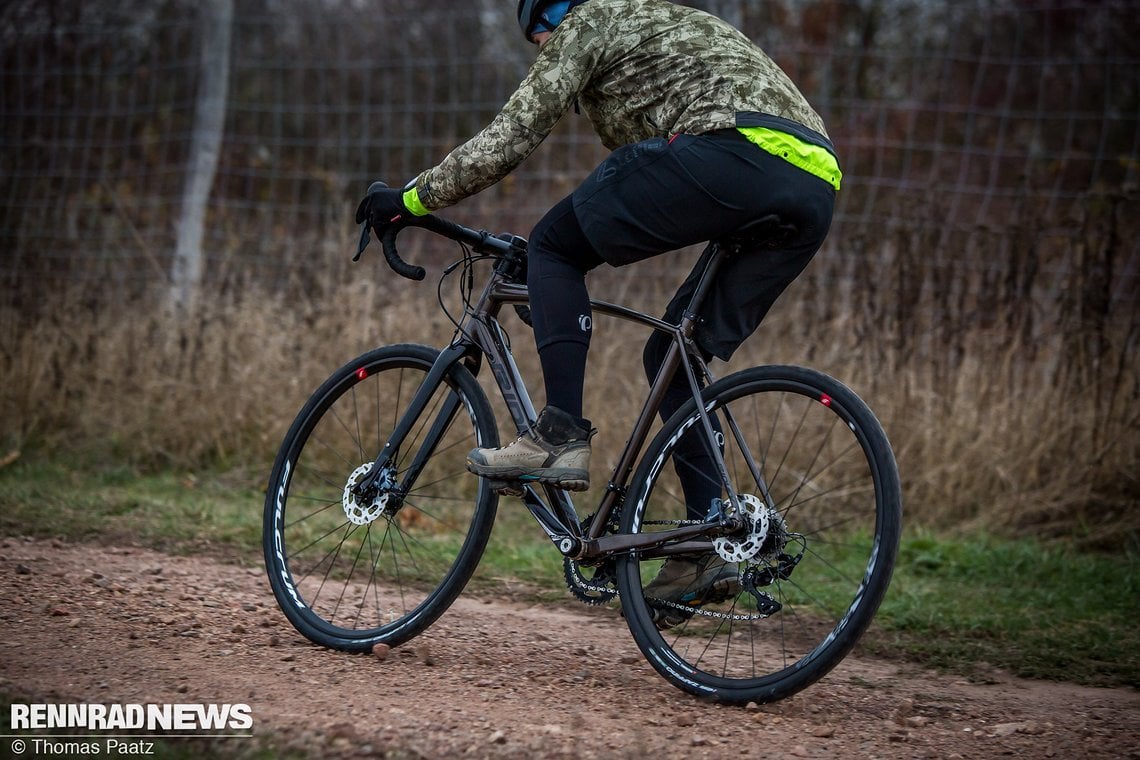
(351, 568)
(819, 492)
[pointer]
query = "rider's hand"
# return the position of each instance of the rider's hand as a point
(383, 208)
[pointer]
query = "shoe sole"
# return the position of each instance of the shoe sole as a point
(567, 480)
(720, 591)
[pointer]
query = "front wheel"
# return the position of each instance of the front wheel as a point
(351, 570)
(820, 499)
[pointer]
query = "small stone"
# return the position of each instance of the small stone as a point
(381, 651)
(498, 737)
(824, 732)
(22, 569)
(1006, 729)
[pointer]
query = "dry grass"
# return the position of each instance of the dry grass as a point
(1009, 437)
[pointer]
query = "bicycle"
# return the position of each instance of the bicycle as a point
(372, 526)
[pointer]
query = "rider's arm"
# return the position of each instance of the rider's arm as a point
(564, 65)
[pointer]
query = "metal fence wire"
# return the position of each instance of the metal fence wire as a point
(985, 143)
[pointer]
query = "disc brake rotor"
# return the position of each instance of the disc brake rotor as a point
(357, 511)
(744, 548)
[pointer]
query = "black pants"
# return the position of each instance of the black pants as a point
(657, 196)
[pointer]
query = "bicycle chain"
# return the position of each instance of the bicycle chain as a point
(585, 585)
(579, 586)
(582, 588)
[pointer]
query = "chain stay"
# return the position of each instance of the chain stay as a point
(579, 586)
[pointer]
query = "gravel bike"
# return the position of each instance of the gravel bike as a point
(372, 526)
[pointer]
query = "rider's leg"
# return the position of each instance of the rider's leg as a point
(557, 451)
(559, 256)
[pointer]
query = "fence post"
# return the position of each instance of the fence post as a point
(216, 23)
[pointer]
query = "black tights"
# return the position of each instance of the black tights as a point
(560, 257)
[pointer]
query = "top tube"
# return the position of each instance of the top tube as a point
(510, 293)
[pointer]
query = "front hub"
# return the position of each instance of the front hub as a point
(362, 509)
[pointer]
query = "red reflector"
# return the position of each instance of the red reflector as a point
(361, 373)
(825, 399)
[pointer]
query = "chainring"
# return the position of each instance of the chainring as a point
(599, 589)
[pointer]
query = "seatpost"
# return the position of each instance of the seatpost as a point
(689, 317)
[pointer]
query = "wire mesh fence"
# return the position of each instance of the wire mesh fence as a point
(970, 124)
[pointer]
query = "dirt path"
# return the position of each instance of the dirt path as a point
(92, 624)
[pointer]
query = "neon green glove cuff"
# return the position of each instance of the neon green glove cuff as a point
(413, 203)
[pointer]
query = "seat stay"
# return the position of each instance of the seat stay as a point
(746, 453)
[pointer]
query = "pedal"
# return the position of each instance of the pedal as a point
(507, 487)
(668, 617)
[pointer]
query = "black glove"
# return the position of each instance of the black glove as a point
(382, 208)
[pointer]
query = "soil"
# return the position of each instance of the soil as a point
(493, 678)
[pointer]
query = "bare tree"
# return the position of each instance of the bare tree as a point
(205, 147)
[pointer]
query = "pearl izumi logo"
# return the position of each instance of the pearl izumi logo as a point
(98, 717)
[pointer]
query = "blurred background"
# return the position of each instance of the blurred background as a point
(178, 180)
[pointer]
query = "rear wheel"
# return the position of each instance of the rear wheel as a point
(350, 569)
(820, 496)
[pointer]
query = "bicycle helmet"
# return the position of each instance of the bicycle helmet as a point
(541, 15)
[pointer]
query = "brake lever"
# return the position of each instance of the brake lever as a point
(365, 239)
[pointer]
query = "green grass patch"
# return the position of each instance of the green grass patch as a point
(1038, 611)
(965, 604)
(170, 511)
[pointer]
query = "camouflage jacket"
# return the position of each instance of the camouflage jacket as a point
(638, 69)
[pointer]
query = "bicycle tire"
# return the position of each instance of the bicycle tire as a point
(349, 575)
(833, 497)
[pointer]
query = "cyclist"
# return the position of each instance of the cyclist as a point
(707, 135)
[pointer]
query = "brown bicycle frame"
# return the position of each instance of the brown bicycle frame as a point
(563, 526)
(480, 336)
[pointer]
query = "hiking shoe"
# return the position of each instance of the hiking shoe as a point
(556, 451)
(690, 581)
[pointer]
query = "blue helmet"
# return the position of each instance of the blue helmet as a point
(541, 15)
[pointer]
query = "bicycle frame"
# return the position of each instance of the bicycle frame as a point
(480, 335)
